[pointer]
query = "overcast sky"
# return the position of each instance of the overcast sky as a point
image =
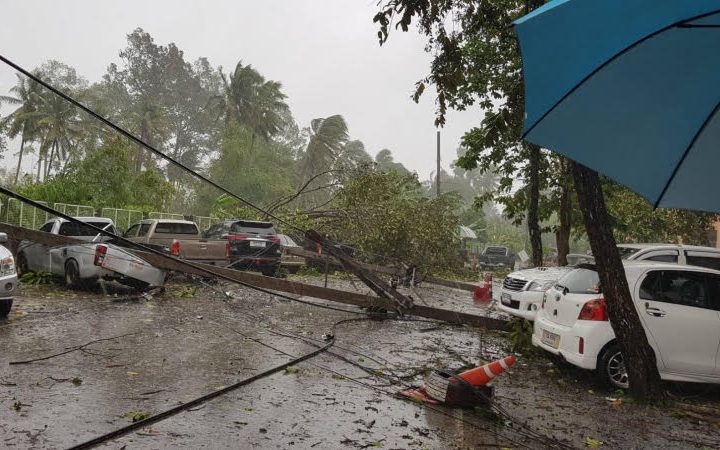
(325, 53)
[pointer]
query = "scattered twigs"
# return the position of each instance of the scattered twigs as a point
(70, 350)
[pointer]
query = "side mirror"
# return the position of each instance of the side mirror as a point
(3, 238)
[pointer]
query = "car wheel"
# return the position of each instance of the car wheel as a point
(21, 266)
(72, 275)
(611, 368)
(5, 306)
(269, 271)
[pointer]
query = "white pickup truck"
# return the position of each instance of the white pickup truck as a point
(83, 264)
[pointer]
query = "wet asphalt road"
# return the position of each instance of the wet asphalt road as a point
(171, 349)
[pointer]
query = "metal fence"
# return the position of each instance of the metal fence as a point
(23, 215)
(123, 218)
(75, 210)
(205, 222)
(162, 215)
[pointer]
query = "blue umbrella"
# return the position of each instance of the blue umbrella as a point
(630, 88)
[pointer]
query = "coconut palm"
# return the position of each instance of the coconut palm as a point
(249, 100)
(328, 137)
(57, 127)
(22, 121)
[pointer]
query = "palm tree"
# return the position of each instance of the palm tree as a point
(251, 101)
(58, 127)
(328, 137)
(23, 120)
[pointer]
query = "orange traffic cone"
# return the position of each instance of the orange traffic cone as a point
(482, 375)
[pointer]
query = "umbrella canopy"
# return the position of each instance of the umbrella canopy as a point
(466, 232)
(630, 88)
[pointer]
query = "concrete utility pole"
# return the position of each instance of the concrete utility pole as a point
(437, 176)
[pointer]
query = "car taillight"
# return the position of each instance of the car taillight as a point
(175, 248)
(273, 238)
(100, 252)
(594, 310)
(236, 237)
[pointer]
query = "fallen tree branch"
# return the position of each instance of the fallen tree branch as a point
(72, 349)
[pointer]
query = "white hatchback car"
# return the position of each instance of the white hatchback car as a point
(678, 306)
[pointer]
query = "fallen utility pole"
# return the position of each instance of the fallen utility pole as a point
(274, 284)
(382, 289)
(393, 271)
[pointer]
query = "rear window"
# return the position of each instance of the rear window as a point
(252, 227)
(709, 260)
(144, 228)
(175, 228)
(76, 229)
(502, 251)
(580, 281)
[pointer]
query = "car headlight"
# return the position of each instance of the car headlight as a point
(540, 286)
(7, 266)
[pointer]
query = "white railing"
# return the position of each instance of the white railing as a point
(122, 218)
(204, 222)
(23, 215)
(162, 215)
(75, 210)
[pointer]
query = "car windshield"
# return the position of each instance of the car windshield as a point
(580, 281)
(496, 251)
(626, 252)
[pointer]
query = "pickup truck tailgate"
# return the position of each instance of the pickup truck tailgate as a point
(131, 266)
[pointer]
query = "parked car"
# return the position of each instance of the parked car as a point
(678, 308)
(291, 263)
(251, 245)
(523, 290)
(573, 259)
(496, 256)
(181, 238)
(693, 255)
(82, 264)
(8, 278)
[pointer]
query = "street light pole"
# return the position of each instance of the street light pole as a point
(437, 173)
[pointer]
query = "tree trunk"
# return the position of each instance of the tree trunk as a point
(639, 357)
(48, 161)
(40, 160)
(532, 214)
(562, 236)
(22, 149)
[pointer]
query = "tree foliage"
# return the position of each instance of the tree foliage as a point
(386, 213)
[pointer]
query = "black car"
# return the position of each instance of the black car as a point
(251, 244)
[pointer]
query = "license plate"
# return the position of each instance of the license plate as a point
(551, 339)
(505, 299)
(257, 244)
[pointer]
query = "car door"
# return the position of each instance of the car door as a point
(679, 312)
